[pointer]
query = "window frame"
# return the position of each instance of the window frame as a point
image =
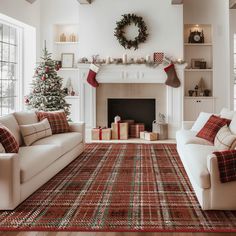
(19, 67)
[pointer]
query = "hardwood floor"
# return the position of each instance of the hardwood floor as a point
(109, 234)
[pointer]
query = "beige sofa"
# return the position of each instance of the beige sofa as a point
(23, 173)
(202, 169)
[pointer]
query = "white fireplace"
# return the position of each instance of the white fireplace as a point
(130, 76)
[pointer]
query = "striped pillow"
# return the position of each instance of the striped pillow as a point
(224, 139)
(2, 149)
(8, 140)
(33, 132)
(57, 121)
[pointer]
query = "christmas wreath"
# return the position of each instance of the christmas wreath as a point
(127, 20)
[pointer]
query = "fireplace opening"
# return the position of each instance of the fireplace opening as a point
(139, 110)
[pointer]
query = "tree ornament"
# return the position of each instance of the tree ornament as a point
(47, 69)
(127, 20)
(43, 78)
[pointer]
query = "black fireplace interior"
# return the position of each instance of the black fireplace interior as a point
(139, 110)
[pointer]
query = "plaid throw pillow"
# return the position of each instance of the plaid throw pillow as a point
(227, 165)
(57, 121)
(8, 141)
(211, 128)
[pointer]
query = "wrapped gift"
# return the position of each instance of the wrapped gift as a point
(101, 134)
(151, 136)
(136, 129)
(119, 131)
(130, 122)
(142, 134)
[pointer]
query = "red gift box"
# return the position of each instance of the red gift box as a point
(136, 129)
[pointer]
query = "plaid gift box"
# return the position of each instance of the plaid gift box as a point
(130, 122)
(101, 134)
(135, 130)
(120, 131)
(158, 57)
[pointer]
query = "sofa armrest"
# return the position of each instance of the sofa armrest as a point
(78, 127)
(9, 181)
(187, 124)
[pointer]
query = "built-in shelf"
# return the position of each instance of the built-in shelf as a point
(198, 70)
(67, 43)
(202, 97)
(68, 69)
(198, 44)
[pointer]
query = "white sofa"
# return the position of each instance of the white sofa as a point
(202, 170)
(23, 173)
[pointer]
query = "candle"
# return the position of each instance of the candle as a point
(108, 60)
(148, 58)
(125, 59)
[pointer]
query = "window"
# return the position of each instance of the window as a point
(10, 94)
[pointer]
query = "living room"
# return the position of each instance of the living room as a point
(118, 117)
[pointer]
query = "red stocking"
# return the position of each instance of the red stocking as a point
(91, 79)
(172, 79)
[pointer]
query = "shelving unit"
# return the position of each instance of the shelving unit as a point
(201, 51)
(68, 73)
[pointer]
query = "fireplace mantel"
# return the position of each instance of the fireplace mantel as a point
(131, 74)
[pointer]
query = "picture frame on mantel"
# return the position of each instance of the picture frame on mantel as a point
(67, 60)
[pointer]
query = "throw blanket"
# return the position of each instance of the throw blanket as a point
(227, 165)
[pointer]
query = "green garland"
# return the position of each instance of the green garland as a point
(127, 20)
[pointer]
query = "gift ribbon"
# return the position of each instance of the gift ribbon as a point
(118, 130)
(100, 134)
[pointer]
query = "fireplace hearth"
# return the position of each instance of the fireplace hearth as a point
(139, 110)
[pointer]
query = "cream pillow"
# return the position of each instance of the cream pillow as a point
(227, 114)
(2, 149)
(224, 139)
(34, 132)
(201, 121)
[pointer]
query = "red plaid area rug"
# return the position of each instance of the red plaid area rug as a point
(119, 187)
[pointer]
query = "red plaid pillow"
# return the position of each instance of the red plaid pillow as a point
(57, 121)
(211, 128)
(8, 140)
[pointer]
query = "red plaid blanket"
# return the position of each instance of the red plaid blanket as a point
(227, 165)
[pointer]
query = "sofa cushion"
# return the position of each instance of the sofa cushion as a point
(227, 114)
(196, 161)
(2, 149)
(34, 132)
(232, 125)
(189, 137)
(57, 120)
(224, 139)
(8, 140)
(10, 122)
(34, 159)
(65, 142)
(26, 118)
(201, 121)
(211, 128)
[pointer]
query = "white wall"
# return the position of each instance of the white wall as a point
(98, 21)
(232, 32)
(56, 12)
(215, 12)
(25, 12)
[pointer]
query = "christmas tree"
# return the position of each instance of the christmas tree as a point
(47, 93)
